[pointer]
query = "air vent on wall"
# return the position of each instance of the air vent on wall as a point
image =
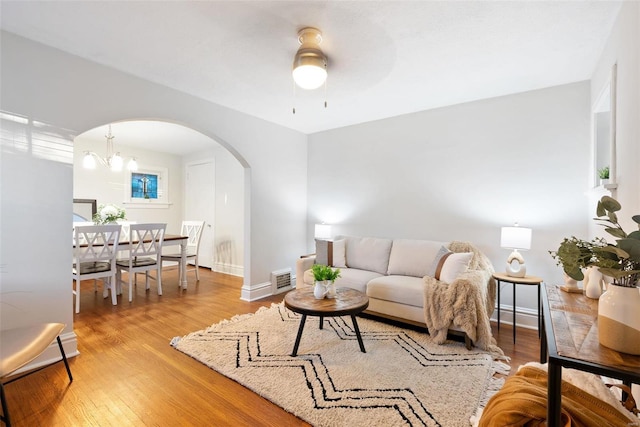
(280, 281)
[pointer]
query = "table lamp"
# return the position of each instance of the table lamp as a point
(516, 238)
(322, 231)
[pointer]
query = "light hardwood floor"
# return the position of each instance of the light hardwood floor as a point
(127, 374)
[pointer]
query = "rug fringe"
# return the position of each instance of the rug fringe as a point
(495, 384)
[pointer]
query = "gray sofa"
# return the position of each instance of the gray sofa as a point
(395, 273)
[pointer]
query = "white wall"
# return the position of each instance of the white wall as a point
(109, 187)
(460, 173)
(47, 85)
(229, 210)
(35, 210)
(623, 48)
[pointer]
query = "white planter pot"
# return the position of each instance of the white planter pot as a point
(320, 290)
(331, 289)
(619, 319)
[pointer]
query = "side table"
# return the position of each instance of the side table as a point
(526, 280)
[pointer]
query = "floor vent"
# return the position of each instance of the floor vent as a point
(280, 281)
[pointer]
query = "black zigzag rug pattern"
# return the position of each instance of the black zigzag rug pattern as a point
(403, 379)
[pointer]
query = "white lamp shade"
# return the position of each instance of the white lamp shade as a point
(515, 238)
(322, 231)
(132, 165)
(88, 161)
(116, 162)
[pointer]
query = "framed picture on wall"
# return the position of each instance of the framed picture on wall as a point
(148, 186)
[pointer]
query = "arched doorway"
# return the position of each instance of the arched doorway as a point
(175, 153)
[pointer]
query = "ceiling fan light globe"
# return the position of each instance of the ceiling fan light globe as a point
(309, 76)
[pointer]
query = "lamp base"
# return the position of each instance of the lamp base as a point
(521, 269)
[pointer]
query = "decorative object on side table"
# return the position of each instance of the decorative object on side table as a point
(619, 305)
(109, 214)
(516, 238)
(325, 277)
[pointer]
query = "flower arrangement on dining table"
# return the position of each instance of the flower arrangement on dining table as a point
(109, 214)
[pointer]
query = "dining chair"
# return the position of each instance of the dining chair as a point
(145, 249)
(94, 257)
(192, 229)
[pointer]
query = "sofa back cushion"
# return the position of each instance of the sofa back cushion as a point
(412, 257)
(368, 253)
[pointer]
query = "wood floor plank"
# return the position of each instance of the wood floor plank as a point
(127, 374)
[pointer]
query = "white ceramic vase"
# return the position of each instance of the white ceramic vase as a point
(619, 319)
(320, 290)
(331, 289)
(593, 283)
(570, 282)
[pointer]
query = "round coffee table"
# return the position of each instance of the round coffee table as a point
(348, 302)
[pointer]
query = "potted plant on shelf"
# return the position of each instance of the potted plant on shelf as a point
(604, 175)
(619, 305)
(324, 277)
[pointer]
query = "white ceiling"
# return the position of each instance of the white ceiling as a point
(386, 58)
(150, 135)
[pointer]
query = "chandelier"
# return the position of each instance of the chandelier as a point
(112, 160)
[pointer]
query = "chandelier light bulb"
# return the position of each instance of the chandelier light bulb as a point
(116, 162)
(88, 161)
(132, 165)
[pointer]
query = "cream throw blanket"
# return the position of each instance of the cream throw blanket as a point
(467, 303)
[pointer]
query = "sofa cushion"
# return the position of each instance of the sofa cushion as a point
(339, 255)
(454, 265)
(412, 257)
(355, 279)
(368, 253)
(437, 260)
(407, 290)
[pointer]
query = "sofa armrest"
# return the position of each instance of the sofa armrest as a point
(303, 264)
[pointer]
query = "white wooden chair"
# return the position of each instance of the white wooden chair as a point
(145, 249)
(19, 347)
(94, 257)
(193, 229)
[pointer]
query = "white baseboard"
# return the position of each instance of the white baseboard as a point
(525, 317)
(256, 291)
(232, 269)
(52, 353)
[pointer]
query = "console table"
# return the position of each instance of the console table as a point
(570, 340)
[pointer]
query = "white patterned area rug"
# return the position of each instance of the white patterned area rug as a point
(402, 380)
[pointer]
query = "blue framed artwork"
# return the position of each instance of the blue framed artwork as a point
(144, 185)
(148, 186)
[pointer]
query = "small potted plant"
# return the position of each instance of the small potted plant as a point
(604, 175)
(325, 277)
